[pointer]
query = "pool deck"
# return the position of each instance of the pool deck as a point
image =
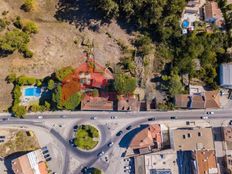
(27, 100)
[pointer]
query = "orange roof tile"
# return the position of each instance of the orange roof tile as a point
(43, 168)
(206, 162)
(147, 137)
(212, 99)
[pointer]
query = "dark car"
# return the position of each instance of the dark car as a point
(119, 133)
(2, 137)
(129, 127)
(151, 119)
(172, 118)
(45, 151)
(46, 156)
(75, 128)
(44, 148)
(48, 159)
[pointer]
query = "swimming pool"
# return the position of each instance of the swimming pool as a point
(32, 91)
(185, 24)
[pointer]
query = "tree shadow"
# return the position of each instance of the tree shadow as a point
(80, 13)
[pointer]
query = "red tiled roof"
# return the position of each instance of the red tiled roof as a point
(88, 75)
(96, 103)
(206, 161)
(147, 137)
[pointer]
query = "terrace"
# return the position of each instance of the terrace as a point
(30, 94)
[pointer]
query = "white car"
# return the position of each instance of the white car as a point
(110, 144)
(101, 153)
(40, 117)
(210, 113)
(205, 117)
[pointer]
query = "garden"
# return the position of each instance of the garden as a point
(87, 137)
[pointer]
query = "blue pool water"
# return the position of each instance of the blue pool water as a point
(33, 91)
(185, 24)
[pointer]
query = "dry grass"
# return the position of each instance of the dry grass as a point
(19, 142)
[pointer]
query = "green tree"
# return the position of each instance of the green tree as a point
(11, 78)
(19, 111)
(35, 108)
(175, 85)
(63, 72)
(51, 84)
(73, 102)
(2, 24)
(24, 80)
(124, 84)
(31, 27)
(14, 40)
(96, 171)
(28, 5)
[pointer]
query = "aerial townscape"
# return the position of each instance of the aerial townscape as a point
(115, 86)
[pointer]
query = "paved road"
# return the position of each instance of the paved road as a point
(128, 116)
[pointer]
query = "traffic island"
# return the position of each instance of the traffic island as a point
(86, 137)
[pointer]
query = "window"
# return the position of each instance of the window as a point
(183, 136)
(199, 134)
(189, 135)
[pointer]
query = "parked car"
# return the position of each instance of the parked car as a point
(110, 144)
(151, 119)
(101, 153)
(5, 119)
(63, 116)
(127, 167)
(126, 159)
(40, 117)
(44, 148)
(48, 159)
(119, 133)
(75, 128)
(172, 118)
(46, 156)
(129, 127)
(46, 151)
(2, 137)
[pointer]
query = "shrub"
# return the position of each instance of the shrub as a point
(38, 82)
(23, 80)
(11, 78)
(63, 72)
(30, 28)
(2, 24)
(35, 108)
(19, 111)
(18, 22)
(28, 5)
(51, 84)
(96, 171)
(26, 52)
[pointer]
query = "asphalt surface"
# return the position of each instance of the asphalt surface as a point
(92, 157)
